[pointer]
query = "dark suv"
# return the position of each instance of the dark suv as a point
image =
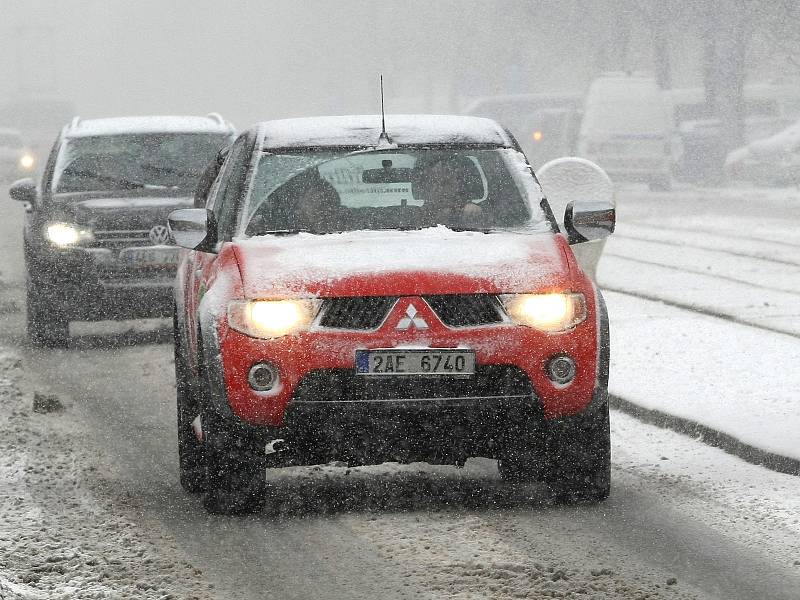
(96, 241)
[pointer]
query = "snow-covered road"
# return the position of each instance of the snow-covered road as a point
(90, 505)
(684, 269)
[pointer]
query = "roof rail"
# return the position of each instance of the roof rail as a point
(216, 117)
(74, 123)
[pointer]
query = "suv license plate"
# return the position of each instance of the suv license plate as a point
(415, 362)
(149, 256)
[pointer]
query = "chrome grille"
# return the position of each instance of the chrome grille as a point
(357, 312)
(121, 237)
(466, 310)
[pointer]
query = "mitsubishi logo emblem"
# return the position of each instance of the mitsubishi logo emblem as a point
(412, 320)
(159, 235)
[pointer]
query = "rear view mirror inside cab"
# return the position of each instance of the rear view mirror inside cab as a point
(388, 174)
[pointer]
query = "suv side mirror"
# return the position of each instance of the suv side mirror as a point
(193, 228)
(577, 180)
(583, 193)
(587, 220)
(23, 190)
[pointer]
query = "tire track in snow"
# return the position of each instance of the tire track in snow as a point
(654, 263)
(708, 435)
(727, 252)
(698, 309)
(718, 233)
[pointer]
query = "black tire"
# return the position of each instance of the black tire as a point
(191, 464)
(235, 464)
(47, 326)
(578, 463)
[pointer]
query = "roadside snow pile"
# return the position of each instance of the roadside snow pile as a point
(61, 536)
(785, 141)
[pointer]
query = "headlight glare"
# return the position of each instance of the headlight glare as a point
(271, 318)
(548, 312)
(26, 161)
(66, 234)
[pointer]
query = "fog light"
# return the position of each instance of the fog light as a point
(262, 377)
(561, 369)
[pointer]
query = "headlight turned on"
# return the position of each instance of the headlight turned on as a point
(546, 312)
(66, 234)
(272, 318)
(26, 161)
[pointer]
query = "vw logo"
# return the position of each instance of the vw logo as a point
(412, 319)
(159, 235)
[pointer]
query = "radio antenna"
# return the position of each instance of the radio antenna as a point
(384, 137)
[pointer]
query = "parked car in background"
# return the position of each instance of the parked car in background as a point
(366, 297)
(545, 125)
(774, 160)
(95, 237)
(700, 156)
(626, 130)
(15, 159)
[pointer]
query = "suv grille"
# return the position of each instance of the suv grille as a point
(356, 313)
(365, 313)
(466, 310)
(121, 238)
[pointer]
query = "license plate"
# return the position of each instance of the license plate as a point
(415, 362)
(151, 256)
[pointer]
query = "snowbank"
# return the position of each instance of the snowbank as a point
(64, 533)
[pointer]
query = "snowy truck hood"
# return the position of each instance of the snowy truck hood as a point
(122, 213)
(430, 261)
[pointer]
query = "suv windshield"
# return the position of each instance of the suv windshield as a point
(328, 191)
(134, 161)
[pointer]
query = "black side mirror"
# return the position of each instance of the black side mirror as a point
(23, 190)
(193, 228)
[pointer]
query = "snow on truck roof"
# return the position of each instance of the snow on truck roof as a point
(364, 131)
(159, 124)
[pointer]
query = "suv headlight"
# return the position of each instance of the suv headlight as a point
(67, 234)
(26, 161)
(548, 312)
(271, 318)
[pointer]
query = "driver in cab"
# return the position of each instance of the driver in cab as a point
(444, 183)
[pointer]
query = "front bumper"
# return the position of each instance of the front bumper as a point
(318, 367)
(441, 430)
(81, 287)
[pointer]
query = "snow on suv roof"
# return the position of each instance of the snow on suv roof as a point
(364, 131)
(158, 124)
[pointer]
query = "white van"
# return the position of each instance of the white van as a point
(626, 130)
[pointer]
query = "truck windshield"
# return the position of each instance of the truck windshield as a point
(326, 191)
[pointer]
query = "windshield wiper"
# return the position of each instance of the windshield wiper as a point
(167, 170)
(125, 183)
